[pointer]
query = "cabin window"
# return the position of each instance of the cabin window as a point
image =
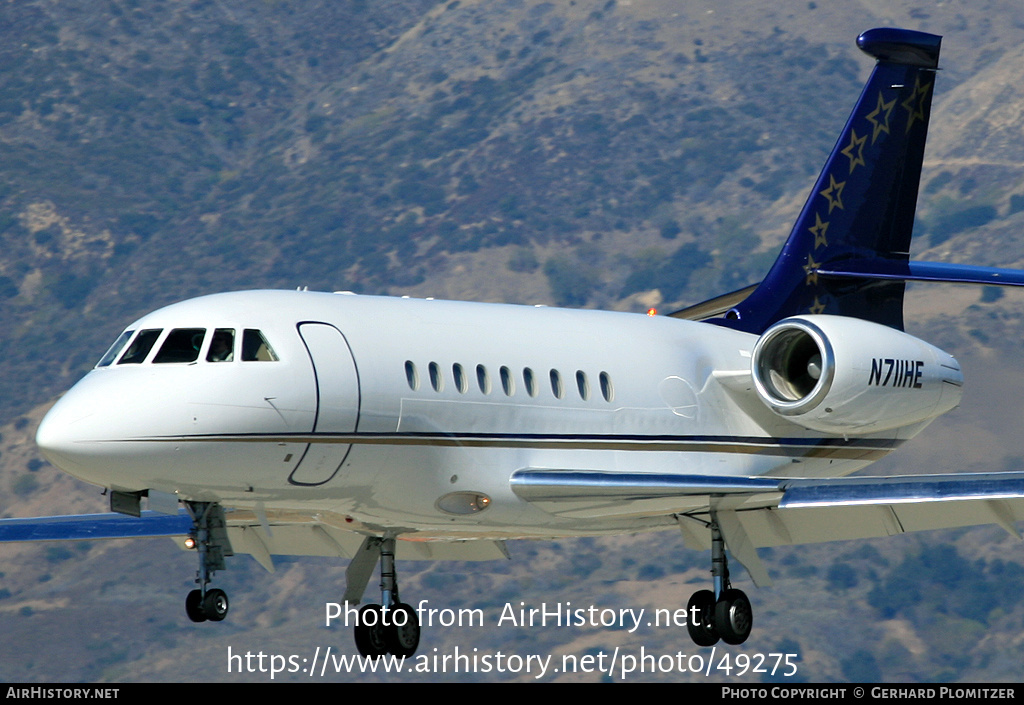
(255, 347)
(181, 345)
(606, 387)
(459, 375)
(222, 346)
(508, 384)
(411, 376)
(530, 381)
(556, 384)
(582, 385)
(436, 378)
(483, 379)
(140, 347)
(115, 349)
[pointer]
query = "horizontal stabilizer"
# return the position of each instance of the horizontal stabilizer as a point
(941, 272)
(712, 308)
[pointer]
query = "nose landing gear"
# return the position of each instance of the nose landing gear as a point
(210, 538)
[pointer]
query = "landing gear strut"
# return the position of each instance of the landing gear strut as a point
(391, 627)
(725, 613)
(210, 538)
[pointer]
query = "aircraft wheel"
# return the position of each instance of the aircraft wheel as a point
(194, 606)
(734, 617)
(369, 632)
(215, 605)
(700, 618)
(402, 634)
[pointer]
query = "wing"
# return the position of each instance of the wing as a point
(248, 532)
(788, 511)
(756, 512)
(777, 512)
(83, 527)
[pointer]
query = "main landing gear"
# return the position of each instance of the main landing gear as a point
(723, 614)
(210, 539)
(391, 627)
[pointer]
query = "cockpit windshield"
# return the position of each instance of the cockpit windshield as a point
(140, 347)
(186, 344)
(256, 348)
(115, 349)
(181, 345)
(222, 347)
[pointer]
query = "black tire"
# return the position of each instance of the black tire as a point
(369, 632)
(734, 617)
(194, 606)
(215, 605)
(402, 635)
(700, 618)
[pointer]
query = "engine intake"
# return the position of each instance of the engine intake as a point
(794, 367)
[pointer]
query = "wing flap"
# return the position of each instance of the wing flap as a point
(321, 539)
(775, 527)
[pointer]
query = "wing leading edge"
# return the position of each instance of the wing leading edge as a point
(83, 527)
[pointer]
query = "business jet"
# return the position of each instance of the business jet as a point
(376, 429)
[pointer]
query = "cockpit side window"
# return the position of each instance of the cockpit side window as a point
(115, 349)
(140, 347)
(182, 345)
(255, 347)
(222, 347)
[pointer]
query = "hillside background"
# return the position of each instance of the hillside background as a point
(612, 154)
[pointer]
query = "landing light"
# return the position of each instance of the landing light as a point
(463, 503)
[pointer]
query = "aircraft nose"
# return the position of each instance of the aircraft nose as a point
(100, 430)
(56, 435)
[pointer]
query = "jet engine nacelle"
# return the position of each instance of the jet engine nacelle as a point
(845, 375)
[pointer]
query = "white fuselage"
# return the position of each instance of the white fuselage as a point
(377, 408)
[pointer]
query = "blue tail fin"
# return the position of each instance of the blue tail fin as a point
(861, 210)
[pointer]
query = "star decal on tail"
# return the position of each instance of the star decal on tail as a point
(855, 150)
(884, 110)
(915, 102)
(834, 193)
